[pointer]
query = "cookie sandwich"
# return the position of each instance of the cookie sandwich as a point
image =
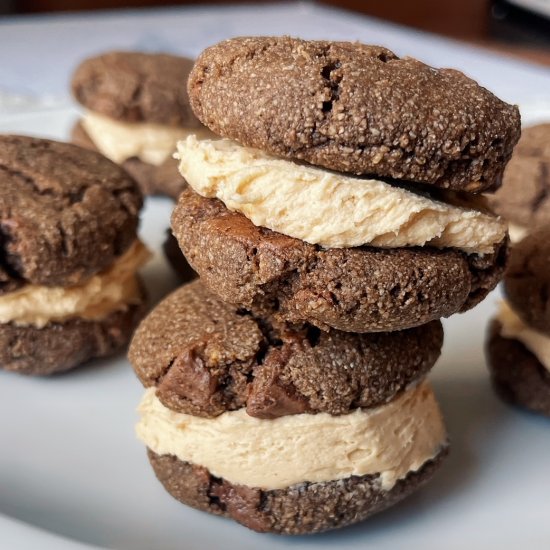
(338, 215)
(524, 198)
(69, 256)
(136, 109)
(284, 429)
(518, 345)
(345, 190)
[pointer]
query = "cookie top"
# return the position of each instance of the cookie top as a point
(527, 280)
(65, 212)
(355, 108)
(362, 289)
(136, 87)
(524, 197)
(206, 356)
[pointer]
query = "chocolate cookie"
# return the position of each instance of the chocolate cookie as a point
(355, 108)
(527, 281)
(176, 259)
(63, 345)
(299, 509)
(206, 357)
(359, 289)
(136, 87)
(524, 198)
(152, 180)
(65, 212)
(517, 375)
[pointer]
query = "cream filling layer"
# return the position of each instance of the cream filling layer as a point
(328, 208)
(110, 290)
(151, 143)
(514, 327)
(391, 440)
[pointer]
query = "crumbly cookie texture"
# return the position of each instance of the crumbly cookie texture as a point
(136, 87)
(300, 509)
(206, 357)
(329, 208)
(355, 108)
(361, 289)
(65, 212)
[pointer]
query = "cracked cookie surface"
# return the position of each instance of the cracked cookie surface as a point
(206, 357)
(355, 108)
(65, 212)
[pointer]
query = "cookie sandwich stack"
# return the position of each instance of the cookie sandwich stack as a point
(69, 256)
(518, 345)
(136, 111)
(286, 388)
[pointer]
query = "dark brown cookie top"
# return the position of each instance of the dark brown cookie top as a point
(65, 212)
(524, 197)
(517, 375)
(136, 87)
(355, 108)
(206, 356)
(527, 280)
(363, 289)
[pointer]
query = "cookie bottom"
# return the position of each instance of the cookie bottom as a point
(300, 509)
(152, 180)
(62, 346)
(517, 375)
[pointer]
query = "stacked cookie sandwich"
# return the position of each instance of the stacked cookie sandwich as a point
(136, 111)
(518, 345)
(69, 256)
(330, 232)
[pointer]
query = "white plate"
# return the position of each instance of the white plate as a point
(73, 476)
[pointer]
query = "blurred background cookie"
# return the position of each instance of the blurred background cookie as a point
(69, 256)
(524, 198)
(136, 110)
(518, 346)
